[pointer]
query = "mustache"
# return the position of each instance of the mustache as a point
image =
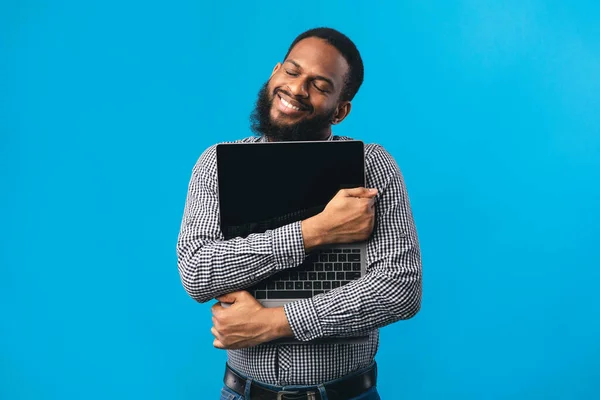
(304, 104)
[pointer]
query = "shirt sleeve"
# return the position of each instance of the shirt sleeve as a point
(391, 288)
(210, 266)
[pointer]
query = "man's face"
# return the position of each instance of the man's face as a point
(302, 98)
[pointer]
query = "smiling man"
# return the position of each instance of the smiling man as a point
(305, 95)
(292, 107)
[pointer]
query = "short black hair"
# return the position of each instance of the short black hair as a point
(348, 49)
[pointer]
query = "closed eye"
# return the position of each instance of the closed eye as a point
(320, 89)
(291, 73)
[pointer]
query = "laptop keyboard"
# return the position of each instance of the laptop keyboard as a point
(321, 272)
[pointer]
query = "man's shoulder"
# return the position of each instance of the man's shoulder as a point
(208, 158)
(248, 139)
(373, 151)
(210, 152)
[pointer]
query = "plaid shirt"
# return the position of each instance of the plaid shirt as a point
(210, 266)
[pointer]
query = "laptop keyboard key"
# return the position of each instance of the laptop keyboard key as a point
(330, 276)
(307, 285)
(298, 285)
(261, 295)
(293, 294)
(354, 257)
(352, 275)
(261, 286)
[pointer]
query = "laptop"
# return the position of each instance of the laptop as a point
(266, 185)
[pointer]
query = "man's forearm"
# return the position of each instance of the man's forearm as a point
(312, 233)
(212, 268)
(385, 295)
(278, 321)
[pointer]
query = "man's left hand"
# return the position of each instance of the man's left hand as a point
(246, 323)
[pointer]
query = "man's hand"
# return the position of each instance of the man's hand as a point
(246, 323)
(349, 217)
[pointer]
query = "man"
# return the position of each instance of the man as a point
(306, 94)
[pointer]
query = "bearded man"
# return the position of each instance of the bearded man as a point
(306, 94)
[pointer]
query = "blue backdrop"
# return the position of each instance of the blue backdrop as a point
(490, 108)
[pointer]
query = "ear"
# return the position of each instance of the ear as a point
(343, 109)
(277, 66)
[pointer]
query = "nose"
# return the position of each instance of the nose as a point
(298, 88)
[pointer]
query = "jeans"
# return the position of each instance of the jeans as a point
(371, 394)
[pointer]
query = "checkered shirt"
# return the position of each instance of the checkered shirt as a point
(210, 266)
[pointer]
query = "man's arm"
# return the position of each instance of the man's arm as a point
(347, 218)
(210, 266)
(391, 289)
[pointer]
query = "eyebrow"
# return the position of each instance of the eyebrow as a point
(320, 77)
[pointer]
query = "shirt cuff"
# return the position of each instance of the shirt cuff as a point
(288, 246)
(303, 320)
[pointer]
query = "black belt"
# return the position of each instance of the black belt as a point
(343, 389)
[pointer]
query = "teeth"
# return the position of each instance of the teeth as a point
(288, 105)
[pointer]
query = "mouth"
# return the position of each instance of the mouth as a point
(288, 105)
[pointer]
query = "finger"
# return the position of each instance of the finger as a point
(217, 343)
(215, 332)
(218, 308)
(242, 296)
(364, 202)
(229, 297)
(372, 202)
(360, 192)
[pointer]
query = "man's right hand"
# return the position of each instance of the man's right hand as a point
(349, 217)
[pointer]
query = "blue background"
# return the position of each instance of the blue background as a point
(491, 109)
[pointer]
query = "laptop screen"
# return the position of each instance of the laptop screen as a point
(267, 185)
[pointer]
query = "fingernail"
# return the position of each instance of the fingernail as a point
(373, 190)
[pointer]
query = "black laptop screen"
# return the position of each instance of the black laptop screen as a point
(267, 185)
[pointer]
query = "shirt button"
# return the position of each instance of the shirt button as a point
(252, 277)
(291, 260)
(283, 383)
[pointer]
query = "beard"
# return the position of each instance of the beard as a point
(261, 122)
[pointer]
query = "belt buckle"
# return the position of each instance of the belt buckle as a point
(309, 395)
